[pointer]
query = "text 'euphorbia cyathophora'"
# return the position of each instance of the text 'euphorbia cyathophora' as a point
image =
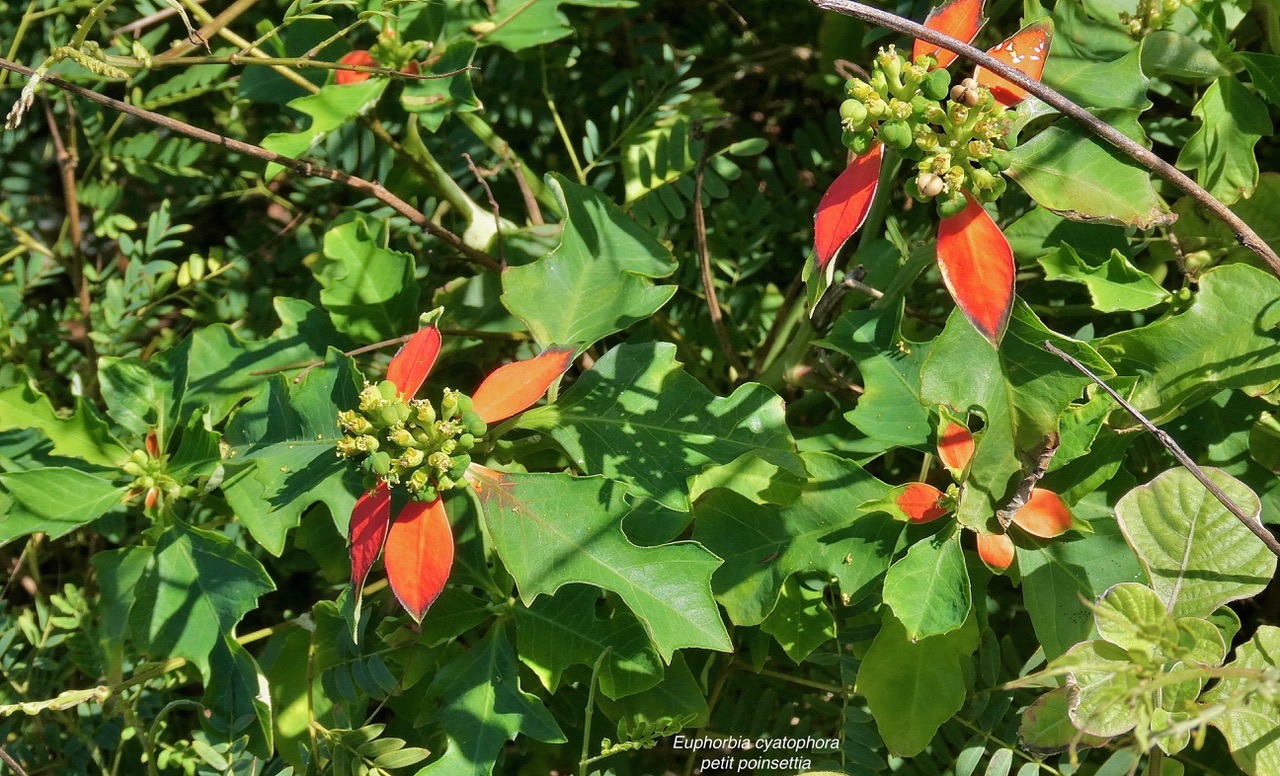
(406, 444)
(958, 138)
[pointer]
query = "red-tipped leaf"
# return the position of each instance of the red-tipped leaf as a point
(955, 446)
(844, 207)
(1044, 515)
(515, 387)
(922, 503)
(370, 520)
(977, 267)
(996, 550)
(1026, 51)
(412, 363)
(419, 555)
(961, 19)
(359, 58)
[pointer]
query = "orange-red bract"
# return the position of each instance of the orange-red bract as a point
(370, 520)
(1045, 514)
(359, 58)
(961, 19)
(996, 550)
(977, 267)
(515, 387)
(412, 363)
(845, 205)
(919, 502)
(1027, 51)
(955, 446)
(418, 555)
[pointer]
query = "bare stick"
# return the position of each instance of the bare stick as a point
(302, 166)
(708, 281)
(493, 205)
(12, 763)
(1250, 522)
(1243, 232)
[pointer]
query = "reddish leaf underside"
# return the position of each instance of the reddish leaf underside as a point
(955, 446)
(419, 555)
(359, 58)
(845, 206)
(961, 19)
(1045, 514)
(1026, 51)
(412, 363)
(996, 550)
(370, 520)
(920, 502)
(977, 267)
(515, 387)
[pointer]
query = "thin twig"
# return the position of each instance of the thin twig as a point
(704, 260)
(1251, 522)
(1244, 234)
(530, 201)
(493, 203)
(302, 166)
(12, 763)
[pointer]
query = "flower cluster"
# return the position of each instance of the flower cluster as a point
(407, 442)
(1151, 16)
(149, 468)
(957, 135)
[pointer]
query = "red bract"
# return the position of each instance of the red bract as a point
(996, 550)
(417, 545)
(358, 58)
(955, 448)
(1044, 515)
(922, 503)
(973, 255)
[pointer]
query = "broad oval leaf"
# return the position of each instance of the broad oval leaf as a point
(977, 267)
(1196, 553)
(844, 207)
(929, 588)
(418, 555)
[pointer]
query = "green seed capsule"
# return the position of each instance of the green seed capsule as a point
(1002, 158)
(858, 142)
(380, 463)
(896, 134)
(388, 390)
(460, 464)
(474, 425)
(466, 442)
(952, 206)
(936, 84)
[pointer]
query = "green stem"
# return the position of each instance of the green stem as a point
(485, 133)
(591, 706)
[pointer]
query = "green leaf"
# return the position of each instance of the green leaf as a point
(1116, 84)
(556, 529)
(1060, 575)
(368, 290)
(236, 700)
(1115, 285)
(437, 98)
(144, 395)
(118, 574)
(912, 687)
(889, 411)
(1104, 685)
(83, 434)
(1264, 70)
(928, 589)
(679, 700)
(330, 108)
(1047, 727)
(603, 255)
(283, 458)
(761, 481)
(482, 708)
(801, 622)
(1225, 339)
(1169, 54)
(1221, 152)
(522, 24)
(196, 588)
(822, 531)
(566, 629)
(1069, 171)
(56, 501)
(1021, 391)
(1251, 718)
(1196, 553)
(637, 416)
(224, 370)
(1041, 232)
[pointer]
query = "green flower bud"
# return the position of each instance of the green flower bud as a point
(370, 399)
(466, 442)
(898, 109)
(445, 483)
(896, 134)
(423, 412)
(440, 461)
(474, 424)
(401, 437)
(858, 89)
(858, 142)
(448, 446)
(418, 480)
(460, 464)
(422, 436)
(879, 83)
(346, 449)
(388, 390)
(427, 494)
(958, 114)
(936, 84)
(449, 404)
(877, 108)
(926, 139)
(411, 458)
(367, 443)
